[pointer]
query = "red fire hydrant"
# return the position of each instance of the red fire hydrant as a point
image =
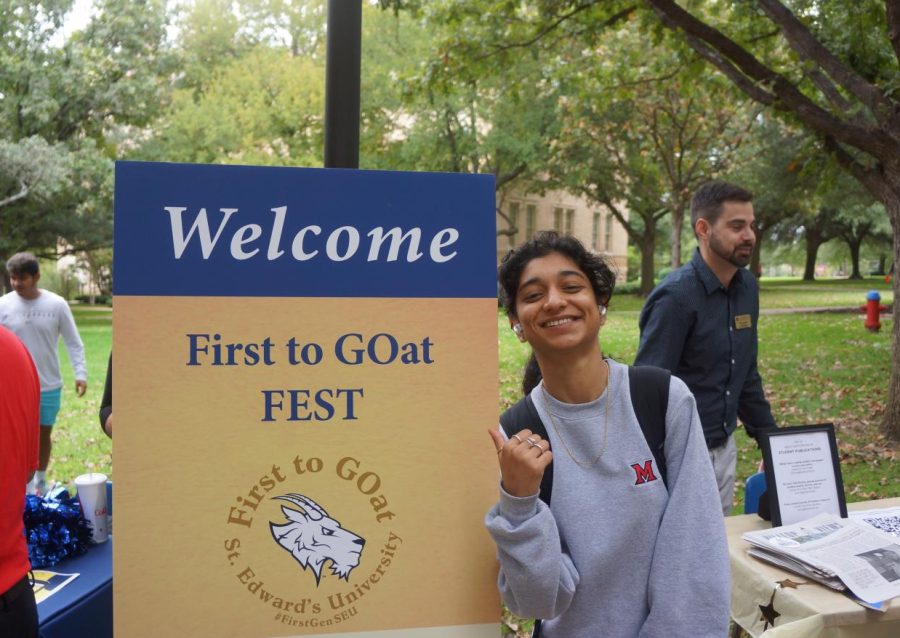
(873, 310)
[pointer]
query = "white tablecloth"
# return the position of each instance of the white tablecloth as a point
(810, 610)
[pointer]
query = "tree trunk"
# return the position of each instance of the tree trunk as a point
(814, 237)
(812, 250)
(677, 226)
(647, 269)
(756, 257)
(854, 258)
(891, 425)
(7, 285)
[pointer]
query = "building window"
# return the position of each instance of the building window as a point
(513, 222)
(595, 232)
(557, 219)
(570, 220)
(607, 235)
(530, 215)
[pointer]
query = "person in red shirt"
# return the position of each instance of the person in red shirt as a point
(20, 401)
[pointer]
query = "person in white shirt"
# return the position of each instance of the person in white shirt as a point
(39, 317)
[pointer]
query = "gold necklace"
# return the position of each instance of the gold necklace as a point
(605, 422)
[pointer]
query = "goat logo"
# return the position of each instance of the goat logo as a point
(313, 537)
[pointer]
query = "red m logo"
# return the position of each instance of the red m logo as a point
(644, 474)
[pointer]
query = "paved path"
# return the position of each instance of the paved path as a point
(832, 309)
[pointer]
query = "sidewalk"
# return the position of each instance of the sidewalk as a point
(832, 309)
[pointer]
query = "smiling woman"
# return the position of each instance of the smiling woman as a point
(558, 307)
(615, 510)
(542, 267)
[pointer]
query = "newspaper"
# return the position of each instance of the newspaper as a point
(798, 567)
(864, 559)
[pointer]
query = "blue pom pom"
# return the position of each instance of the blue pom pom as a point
(54, 528)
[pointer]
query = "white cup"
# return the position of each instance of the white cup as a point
(92, 496)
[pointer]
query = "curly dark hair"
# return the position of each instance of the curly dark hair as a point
(595, 268)
(598, 272)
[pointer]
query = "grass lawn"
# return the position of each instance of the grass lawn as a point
(776, 293)
(816, 367)
(795, 293)
(79, 444)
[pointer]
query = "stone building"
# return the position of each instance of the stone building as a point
(593, 225)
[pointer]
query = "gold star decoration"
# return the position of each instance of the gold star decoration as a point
(787, 582)
(768, 611)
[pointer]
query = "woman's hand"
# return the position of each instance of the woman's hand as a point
(523, 459)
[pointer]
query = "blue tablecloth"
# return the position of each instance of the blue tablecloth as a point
(83, 608)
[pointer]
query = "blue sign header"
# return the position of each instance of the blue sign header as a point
(250, 231)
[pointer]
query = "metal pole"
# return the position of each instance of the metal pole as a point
(342, 63)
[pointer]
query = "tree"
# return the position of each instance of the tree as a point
(697, 132)
(63, 101)
(264, 107)
(32, 168)
(830, 70)
(209, 36)
(818, 228)
(260, 96)
(853, 215)
(775, 171)
(468, 121)
(854, 226)
(485, 126)
(638, 135)
(691, 132)
(98, 264)
(606, 154)
(298, 25)
(838, 81)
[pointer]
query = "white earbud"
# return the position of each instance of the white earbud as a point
(517, 328)
(602, 309)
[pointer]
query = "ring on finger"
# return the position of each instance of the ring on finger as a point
(538, 446)
(517, 438)
(532, 441)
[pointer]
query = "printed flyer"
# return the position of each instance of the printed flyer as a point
(305, 367)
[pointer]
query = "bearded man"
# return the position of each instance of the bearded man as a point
(700, 323)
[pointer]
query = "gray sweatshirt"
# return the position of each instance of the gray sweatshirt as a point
(620, 554)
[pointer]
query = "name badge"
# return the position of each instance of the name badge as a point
(742, 321)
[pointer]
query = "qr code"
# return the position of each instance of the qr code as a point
(889, 524)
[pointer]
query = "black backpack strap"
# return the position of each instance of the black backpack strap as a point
(524, 415)
(650, 400)
(518, 417)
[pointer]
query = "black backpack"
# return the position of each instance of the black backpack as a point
(649, 398)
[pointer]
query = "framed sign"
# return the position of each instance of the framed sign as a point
(305, 367)
(803, 473)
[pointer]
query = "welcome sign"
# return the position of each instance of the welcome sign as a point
(305, 369)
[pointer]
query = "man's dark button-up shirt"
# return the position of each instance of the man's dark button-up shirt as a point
(706, 335)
